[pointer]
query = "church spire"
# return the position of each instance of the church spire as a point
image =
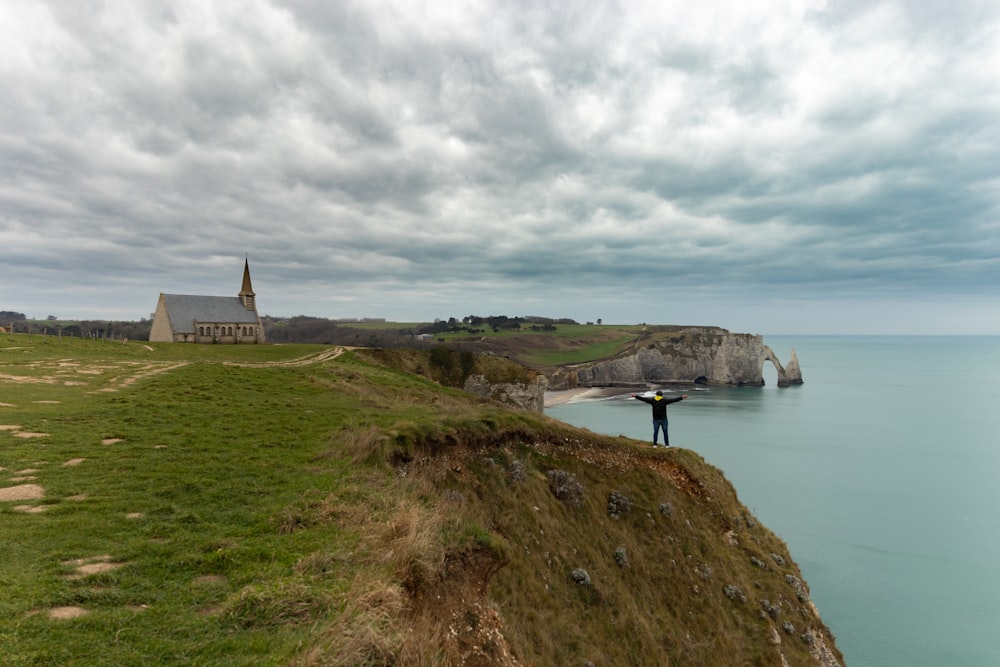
(246, 292)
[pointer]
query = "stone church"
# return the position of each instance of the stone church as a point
(186, 318)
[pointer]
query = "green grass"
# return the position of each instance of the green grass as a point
(590, 352)
(208, 456)
(566, 344)
(262, 511)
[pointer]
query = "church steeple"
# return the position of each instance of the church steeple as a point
(246, 292)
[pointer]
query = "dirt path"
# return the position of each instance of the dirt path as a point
(150, 370)
(307, 360)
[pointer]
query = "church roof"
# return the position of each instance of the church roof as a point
(247, 287)
(186, 309)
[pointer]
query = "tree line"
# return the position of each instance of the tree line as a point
(297, 329)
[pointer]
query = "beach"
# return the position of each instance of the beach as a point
(564, 396)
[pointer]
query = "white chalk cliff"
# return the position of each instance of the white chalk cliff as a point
(692, 355)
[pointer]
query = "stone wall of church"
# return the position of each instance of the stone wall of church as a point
(229, 333)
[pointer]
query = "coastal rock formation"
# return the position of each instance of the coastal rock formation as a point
(693, 355)
(523, 395)
(793, 375)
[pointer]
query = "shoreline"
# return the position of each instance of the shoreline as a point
(563, 396)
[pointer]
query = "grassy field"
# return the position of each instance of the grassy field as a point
(297, 505)
(168, 494)
(567, 344)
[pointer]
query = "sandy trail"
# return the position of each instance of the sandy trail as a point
(307, 360)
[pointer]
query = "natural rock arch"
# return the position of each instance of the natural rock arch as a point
(786, 375)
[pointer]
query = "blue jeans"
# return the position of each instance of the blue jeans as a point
(657, 425)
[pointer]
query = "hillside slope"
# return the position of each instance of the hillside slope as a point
(304, 506)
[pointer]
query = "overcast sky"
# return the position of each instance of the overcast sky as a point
(768, 167)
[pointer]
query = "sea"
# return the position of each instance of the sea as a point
(882, 474)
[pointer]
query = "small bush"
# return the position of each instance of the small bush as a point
(621, 557)
(666, 509)
(618, 504)
(800, 589)
(733, 593)
(580, 576)
(565, 487)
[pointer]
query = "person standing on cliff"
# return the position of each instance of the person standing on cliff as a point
(659, 404)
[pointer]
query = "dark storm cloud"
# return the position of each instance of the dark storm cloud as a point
(392, 159)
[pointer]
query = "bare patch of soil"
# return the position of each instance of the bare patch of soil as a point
(22, 492)
(72, 374)
(111, 441)
(92, 565)
(26, 379)
(74, 462)
(65, 613)
(30, 434)
(31, 509)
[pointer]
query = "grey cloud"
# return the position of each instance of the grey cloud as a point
(496, 154)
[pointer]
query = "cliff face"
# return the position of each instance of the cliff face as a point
(695, 356)
(581, 549)
(524, 395)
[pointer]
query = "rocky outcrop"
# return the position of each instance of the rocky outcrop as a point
(793, 374)
(709, 356)
(523, 395)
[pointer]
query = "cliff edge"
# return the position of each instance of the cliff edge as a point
(516, 540)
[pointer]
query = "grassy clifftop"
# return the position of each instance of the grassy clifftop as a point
(299, 505)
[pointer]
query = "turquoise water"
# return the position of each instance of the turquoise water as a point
(880, 473)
